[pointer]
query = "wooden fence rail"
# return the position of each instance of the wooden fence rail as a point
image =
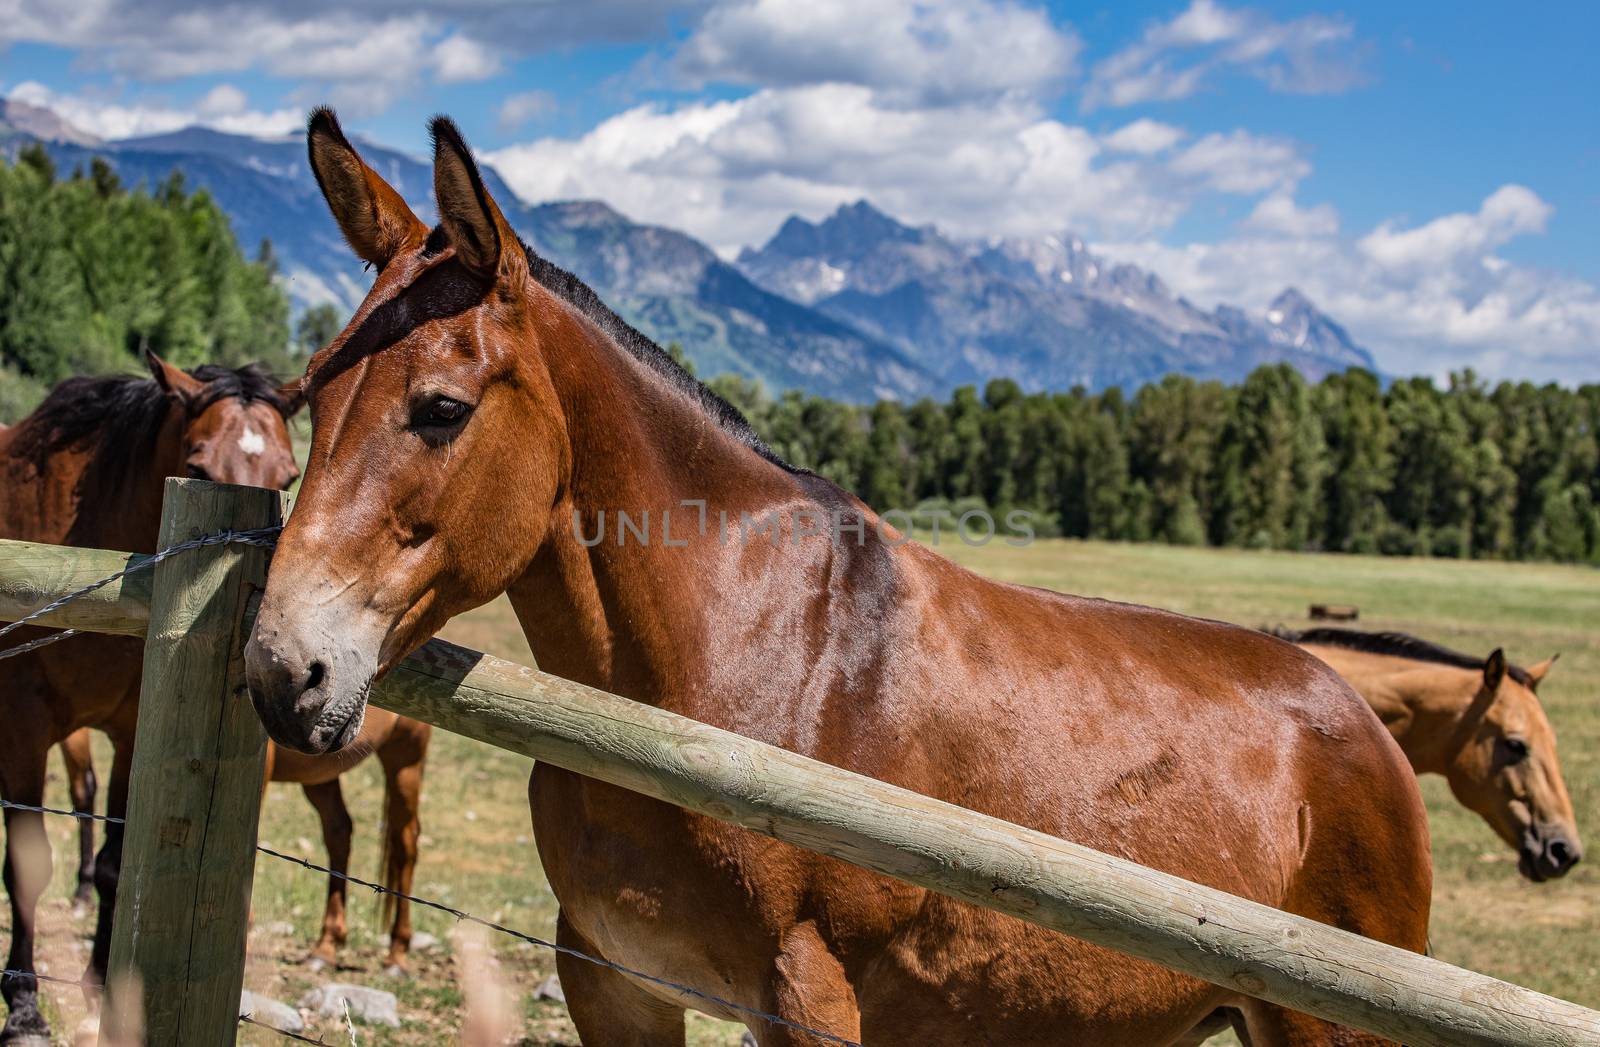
(1063, 886)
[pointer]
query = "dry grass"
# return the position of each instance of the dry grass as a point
(478, 851)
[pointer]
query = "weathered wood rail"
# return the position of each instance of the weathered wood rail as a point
(1063, 886)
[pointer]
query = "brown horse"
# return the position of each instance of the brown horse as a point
(87, 469)
(402, 748)
(77, 757)
(473, 421)
(1478, 722)
(401, 745)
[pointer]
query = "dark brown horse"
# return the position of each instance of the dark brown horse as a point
(1477, 722)
(87, 469)
(473, 421)
(401, 745)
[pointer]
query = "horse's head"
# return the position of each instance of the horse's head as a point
(438, 447)
(234, 423)
(1505, 768)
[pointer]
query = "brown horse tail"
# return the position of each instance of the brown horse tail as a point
(390, 859)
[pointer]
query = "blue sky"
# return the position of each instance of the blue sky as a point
(1428, 173)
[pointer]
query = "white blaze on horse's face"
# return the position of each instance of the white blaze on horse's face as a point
(251, 442)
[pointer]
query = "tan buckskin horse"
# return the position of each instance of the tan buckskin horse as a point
(482, 402)
(1478, 722)
(87, 469)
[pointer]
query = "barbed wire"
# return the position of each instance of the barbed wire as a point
(466, 917)
(463, 916)
(265, 537)
(84, 815)
(288, 1034)
(81, 983)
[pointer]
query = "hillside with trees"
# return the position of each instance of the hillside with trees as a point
(1275, 462)
(93, 273)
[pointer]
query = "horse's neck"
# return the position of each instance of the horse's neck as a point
(124, 512)
(1424, 707)
(644, 616)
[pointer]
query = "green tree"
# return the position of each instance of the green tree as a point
(317, 327)
(1360, 468)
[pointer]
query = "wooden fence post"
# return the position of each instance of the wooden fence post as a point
(188, 857)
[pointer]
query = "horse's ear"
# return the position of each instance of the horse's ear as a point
(293, 395)
(478, 231)
(1494, 670)
(1536, 673)
(174, 381)
(373, 217)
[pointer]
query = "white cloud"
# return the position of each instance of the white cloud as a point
(459, 58)
(524, 106)
(1242, 163)
(1512, 210)
(923, 50)
(360, 53)
(731, 171)
(1144, 137)
(222, 100)
(1309, 55)
(222, 108)
(1427, 300)
(1280, 214)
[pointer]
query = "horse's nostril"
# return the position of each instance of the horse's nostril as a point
(314, 676)
(1561, 854)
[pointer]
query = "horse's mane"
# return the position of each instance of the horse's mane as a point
(119, 416)
(1399, 645)
(582, 297)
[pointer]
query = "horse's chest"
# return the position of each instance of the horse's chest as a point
(654, 888)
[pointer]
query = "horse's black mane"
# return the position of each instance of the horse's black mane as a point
(121, 415)
(583, 298)
(1401, 645)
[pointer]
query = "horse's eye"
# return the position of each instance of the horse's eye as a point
(1513, 750)
(198, 472)
(440, 412)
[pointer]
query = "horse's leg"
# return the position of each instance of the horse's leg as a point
(108, 864)
(607, 1008)
(402, 758)
(1219, 1021)
(1273, 1026)
(808, 988)
(27, 874)
(78, 757)
(328, 799)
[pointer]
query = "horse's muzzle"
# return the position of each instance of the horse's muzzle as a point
(311, 696)
(1548, 854)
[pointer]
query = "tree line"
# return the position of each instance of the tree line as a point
(1345, 464)
(93, 274)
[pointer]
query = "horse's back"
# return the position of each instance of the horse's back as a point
(1113, 704)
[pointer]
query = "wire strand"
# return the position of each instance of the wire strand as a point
(265, 537)
(463, 915)
(288, 1034)
(84, 815)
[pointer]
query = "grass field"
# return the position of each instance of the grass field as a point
(478, 853)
